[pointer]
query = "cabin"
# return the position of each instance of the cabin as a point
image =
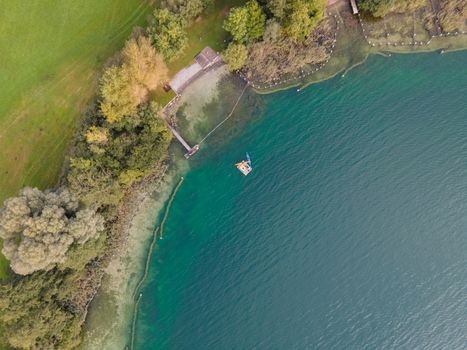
(353, 4)
(203, 61)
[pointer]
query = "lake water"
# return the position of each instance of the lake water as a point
(350, 233)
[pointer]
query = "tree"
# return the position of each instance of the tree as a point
(144, 65)
(136, 145)
(246, 24)
(167, 34)
(187, 9)
(38, 228)
(235, 56)
(302, 17)
(36, 313)
(277, 8)
(125, 86)
(97, 135)
(272, 31)
(118, 100)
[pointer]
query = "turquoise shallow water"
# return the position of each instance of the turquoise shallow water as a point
(351, 232)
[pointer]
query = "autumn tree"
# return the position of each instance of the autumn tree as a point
(125, 86)
(144, 65)
(235, 56)
(38, 228)
(167, 33)
(246, 23)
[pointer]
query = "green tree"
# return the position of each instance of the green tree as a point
(187, 9)
(37, 312)
(277, 8)
(136, 145)
(235, 56)
(117, 99)
(302, 17)
(246, 24)
(167, 34)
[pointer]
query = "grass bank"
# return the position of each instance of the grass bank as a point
(51, 55)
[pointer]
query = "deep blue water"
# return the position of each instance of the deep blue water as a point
(350, 233)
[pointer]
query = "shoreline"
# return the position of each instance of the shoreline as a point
(116, 297)
(354, 42)
(347, 56)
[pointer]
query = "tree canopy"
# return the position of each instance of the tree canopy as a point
(235, 56)
(38, 228)
(37, 312)
(187, 9)
(167, 33)
(125, 86)
(100, 171)
(302, 16)
(246, 23)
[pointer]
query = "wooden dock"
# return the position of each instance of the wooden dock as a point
(190, 150)
(353, 4)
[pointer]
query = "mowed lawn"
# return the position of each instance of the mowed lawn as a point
(50, 55)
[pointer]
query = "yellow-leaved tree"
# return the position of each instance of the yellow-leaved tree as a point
(125, 86)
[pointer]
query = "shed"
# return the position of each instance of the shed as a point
(185, 76)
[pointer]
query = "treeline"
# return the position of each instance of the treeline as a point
(269, 20)
(272, 38)
(55, 239)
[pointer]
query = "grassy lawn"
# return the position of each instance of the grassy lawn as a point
(51, 52)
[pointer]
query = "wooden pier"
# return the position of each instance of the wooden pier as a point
(353, 4)
(190, 150)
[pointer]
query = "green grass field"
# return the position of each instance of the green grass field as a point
(51, 52)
